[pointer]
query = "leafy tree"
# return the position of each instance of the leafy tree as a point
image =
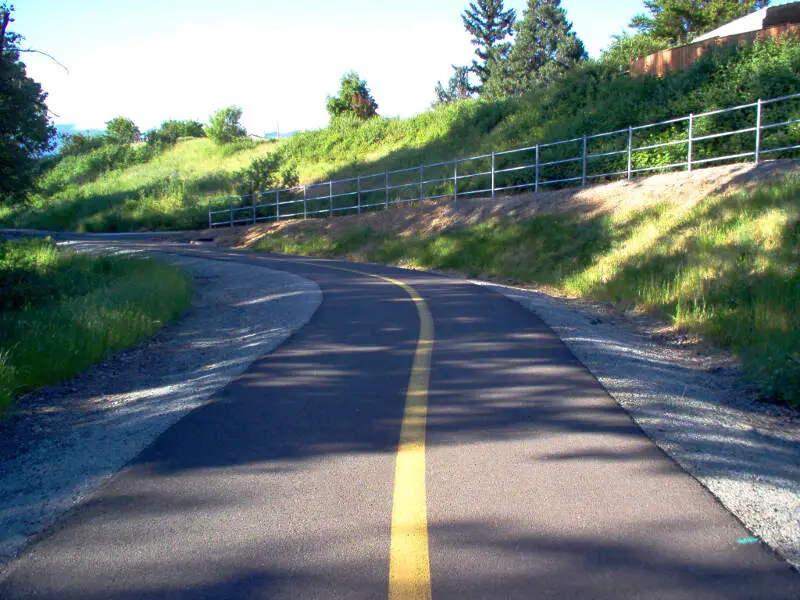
(170, 131)
(265, 173)
(74, 144)
(224, 126)
(458, 88)
(354, 98)
(121, 130)
(544, 50)
(25, 130)
(489, 26)
(680, 21)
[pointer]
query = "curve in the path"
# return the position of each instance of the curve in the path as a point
(539, 485)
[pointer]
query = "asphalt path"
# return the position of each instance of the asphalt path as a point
(538, 484)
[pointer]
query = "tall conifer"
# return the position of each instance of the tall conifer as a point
(545, 49)
(490, 26)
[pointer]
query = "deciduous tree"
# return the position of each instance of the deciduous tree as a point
(354, 98)
(224, 126)
(25, 129)
(121, 130)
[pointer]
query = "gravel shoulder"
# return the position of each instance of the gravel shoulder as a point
(60, 443)
(695, 408)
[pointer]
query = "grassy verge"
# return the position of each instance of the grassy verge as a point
(61, 311)
(728, 268)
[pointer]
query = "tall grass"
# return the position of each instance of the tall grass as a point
(61, 311)
(728, 269)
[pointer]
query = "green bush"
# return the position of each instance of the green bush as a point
(224, 126)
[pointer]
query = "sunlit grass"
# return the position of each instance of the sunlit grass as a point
(727, 269)
(61, 312)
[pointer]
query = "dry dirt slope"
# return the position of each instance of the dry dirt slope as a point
(680, 188)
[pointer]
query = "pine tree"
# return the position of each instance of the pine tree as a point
(489, 26)
(545, 49)
(458, 88)
(680, 21)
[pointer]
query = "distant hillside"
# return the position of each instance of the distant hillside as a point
(110, 189)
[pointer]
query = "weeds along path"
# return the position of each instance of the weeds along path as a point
(59, 444)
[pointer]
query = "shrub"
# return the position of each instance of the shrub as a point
(263, 174)
(354, 98)
(224, 126)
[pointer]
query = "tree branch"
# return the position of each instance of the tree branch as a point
(47, 55)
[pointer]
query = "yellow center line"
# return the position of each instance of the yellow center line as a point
(409, 562)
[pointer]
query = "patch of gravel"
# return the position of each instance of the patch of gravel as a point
(60, 443)
(694, 407)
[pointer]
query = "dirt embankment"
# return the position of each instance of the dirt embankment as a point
(681, 189)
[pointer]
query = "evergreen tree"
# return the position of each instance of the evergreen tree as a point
(545, 49)
(489, 26)
(25, 130)
(677, 22)
(458, 88)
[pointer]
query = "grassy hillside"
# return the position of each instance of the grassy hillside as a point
(60, 311)
(726, 267)
(104, 192)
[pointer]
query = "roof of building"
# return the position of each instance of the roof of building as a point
(760, 19)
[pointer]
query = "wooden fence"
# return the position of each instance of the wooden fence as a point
(675, 59)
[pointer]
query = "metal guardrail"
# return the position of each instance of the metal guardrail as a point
(496, 172)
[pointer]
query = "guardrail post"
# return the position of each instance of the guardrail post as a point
(277, 205)
(691, 141)
(386, 186)
(583, 164)
(255, 195)
(493, 176)
(758, 130)
(305, 204)
(455, 180)
(330, 198)
(630, 150)
(230, 208)
(209, 215)
(421, 183)
(536, 183)
(358, 194)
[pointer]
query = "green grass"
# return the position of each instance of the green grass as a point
(62, 312)
(728, 269)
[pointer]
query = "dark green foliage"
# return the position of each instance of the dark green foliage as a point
(171, 131)
(354, 98)
(121, 130)
(675, 22)
(224, 126)
(544, 50)
(266, 173)
(627, 47)
(458, 87)
(74, 144)
(490, 26)
(25, 130)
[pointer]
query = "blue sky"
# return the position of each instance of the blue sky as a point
(153, 60)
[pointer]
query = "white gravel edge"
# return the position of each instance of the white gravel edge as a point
(61, 443)
(746, 453)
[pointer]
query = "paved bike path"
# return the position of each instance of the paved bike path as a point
(539, 485)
